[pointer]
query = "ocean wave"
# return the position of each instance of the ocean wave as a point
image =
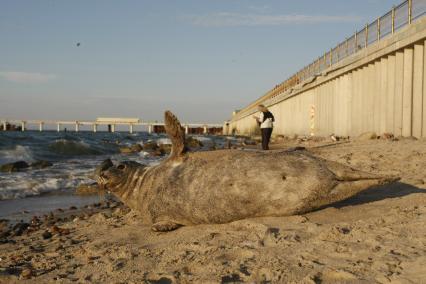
(72, 148)
(164, 141)
(25, 186)
(18, 153)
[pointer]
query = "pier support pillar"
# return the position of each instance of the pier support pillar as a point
(58, 127)
(150, 128)
(40, 126)
(112, 128)
(186, 129)
(205, 129)
(131, 128)
(4, 125)
(23, 123)
(95, 128)
(77, 127)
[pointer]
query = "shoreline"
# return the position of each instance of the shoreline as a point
(25, 208)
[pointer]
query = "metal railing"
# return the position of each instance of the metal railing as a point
(404, 14)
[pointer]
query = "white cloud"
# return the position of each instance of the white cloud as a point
(225, 19)
(26, 77)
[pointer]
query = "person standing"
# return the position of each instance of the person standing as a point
(265, 121)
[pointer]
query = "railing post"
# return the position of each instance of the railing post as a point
(410, 11)
(347, 47)
(356, 42)
(4, 125)
(186, 129)
(325, 60)
(378, 29)
(366, 35)
(393, 19)
(58, 127)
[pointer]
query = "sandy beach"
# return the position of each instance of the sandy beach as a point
(377, 236)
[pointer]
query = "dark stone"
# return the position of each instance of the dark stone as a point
(162, 280)
(150, 146)
(231, 278)
(20, 228)
(14, 167)
(46, 235)
(193, 143)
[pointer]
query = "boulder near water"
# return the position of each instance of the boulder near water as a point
(14, 167)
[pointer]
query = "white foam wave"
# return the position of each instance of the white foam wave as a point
(19, 153)
(164, 141)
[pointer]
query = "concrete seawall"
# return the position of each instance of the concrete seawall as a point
(382, 88)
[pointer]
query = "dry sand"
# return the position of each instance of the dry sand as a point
(378, 236)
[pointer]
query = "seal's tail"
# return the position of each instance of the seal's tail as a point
(176, 134)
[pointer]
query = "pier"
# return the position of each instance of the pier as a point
(110, 123)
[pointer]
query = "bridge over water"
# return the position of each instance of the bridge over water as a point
(375, 80)
(110, 124)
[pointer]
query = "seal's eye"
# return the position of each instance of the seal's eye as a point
(121, 167)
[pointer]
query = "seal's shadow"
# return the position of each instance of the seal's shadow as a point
(393, 190)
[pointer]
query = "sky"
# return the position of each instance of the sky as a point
(202, 59)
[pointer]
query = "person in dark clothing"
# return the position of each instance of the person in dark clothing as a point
(265, 121)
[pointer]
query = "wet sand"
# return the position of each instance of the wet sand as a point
(377, 236)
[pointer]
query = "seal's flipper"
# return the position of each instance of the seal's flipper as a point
(176, 135)
(165, 226)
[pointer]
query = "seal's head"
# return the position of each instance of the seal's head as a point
(114, 178)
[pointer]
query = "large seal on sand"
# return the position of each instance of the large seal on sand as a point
(228, 185)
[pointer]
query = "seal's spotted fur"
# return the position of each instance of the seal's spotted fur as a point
(228, 185)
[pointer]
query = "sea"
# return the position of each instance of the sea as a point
(74, 156)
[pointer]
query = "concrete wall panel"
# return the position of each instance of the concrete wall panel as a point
(390, 95)
(399, 87)
(418, 90)
(407, 98)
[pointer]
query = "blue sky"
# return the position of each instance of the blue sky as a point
(202, 59)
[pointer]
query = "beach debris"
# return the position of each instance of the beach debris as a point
(14, 167)
(367, 136)
(388, 136)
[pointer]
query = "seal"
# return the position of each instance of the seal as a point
(222, 186)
